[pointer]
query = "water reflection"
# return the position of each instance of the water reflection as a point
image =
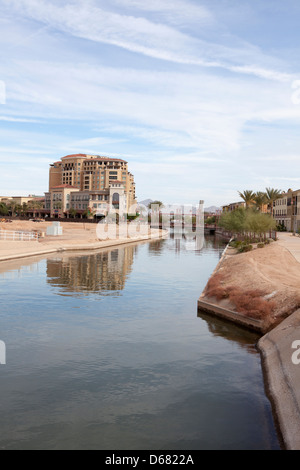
(229, 331)
(156, 247)
(132, 371)
(104, 272)
(190, 241)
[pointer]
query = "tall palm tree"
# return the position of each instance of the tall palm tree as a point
(3, 209)
(260, 200)
(24, 209)
(156, 203)
(248, 197)
(272, 196)
(35, 206)
(12, 206)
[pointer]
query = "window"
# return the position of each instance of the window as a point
(113, 177)
(113, 172)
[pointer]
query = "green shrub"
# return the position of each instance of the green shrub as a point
(260, 245)
(245, 248)
(281, 228)
(236, 244)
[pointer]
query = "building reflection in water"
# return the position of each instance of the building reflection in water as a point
(188, 241)
(156, 247)
(104, 273)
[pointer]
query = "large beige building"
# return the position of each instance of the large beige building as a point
(287, 210)
(83, 182)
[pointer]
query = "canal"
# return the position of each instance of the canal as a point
(107, 351)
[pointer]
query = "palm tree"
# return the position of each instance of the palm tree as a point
(35, 205)
(155, 213)
(248, 196)
(73, 212)
(12, 207)
(24, 209)
(18, 209)
(260, 200)
(272, 196)
(3, 209)
(156, 203)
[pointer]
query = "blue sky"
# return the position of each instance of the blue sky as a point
(200, 97)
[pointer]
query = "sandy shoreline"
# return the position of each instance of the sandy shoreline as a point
(76, 237)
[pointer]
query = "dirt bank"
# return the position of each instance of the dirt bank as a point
(263, 284)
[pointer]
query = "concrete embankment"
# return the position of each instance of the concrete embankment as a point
(275, 270)
(280, 352)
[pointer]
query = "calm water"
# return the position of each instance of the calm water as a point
(106, 351)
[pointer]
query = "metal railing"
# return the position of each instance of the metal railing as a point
(18, 236)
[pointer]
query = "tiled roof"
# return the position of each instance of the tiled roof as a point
(62, 186)
(75, 156)
(96, 157)
(105, 159)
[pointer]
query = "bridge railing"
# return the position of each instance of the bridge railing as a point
(18, 236)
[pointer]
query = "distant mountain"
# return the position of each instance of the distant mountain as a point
(212, 209)
(146, 202)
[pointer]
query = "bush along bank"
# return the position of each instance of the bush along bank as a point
(248, 225)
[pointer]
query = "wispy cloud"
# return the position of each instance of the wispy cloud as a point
(12, 119)
(174, 11)
(168, 85)
(152, 39)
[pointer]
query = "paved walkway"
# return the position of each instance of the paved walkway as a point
(291, 243)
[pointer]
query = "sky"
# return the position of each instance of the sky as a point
(201, 97)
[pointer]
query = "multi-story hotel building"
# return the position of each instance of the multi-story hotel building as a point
(82, 182)
(241, 204)
(233, 206)
(287, 210)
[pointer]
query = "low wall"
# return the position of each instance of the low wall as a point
(237, 318)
